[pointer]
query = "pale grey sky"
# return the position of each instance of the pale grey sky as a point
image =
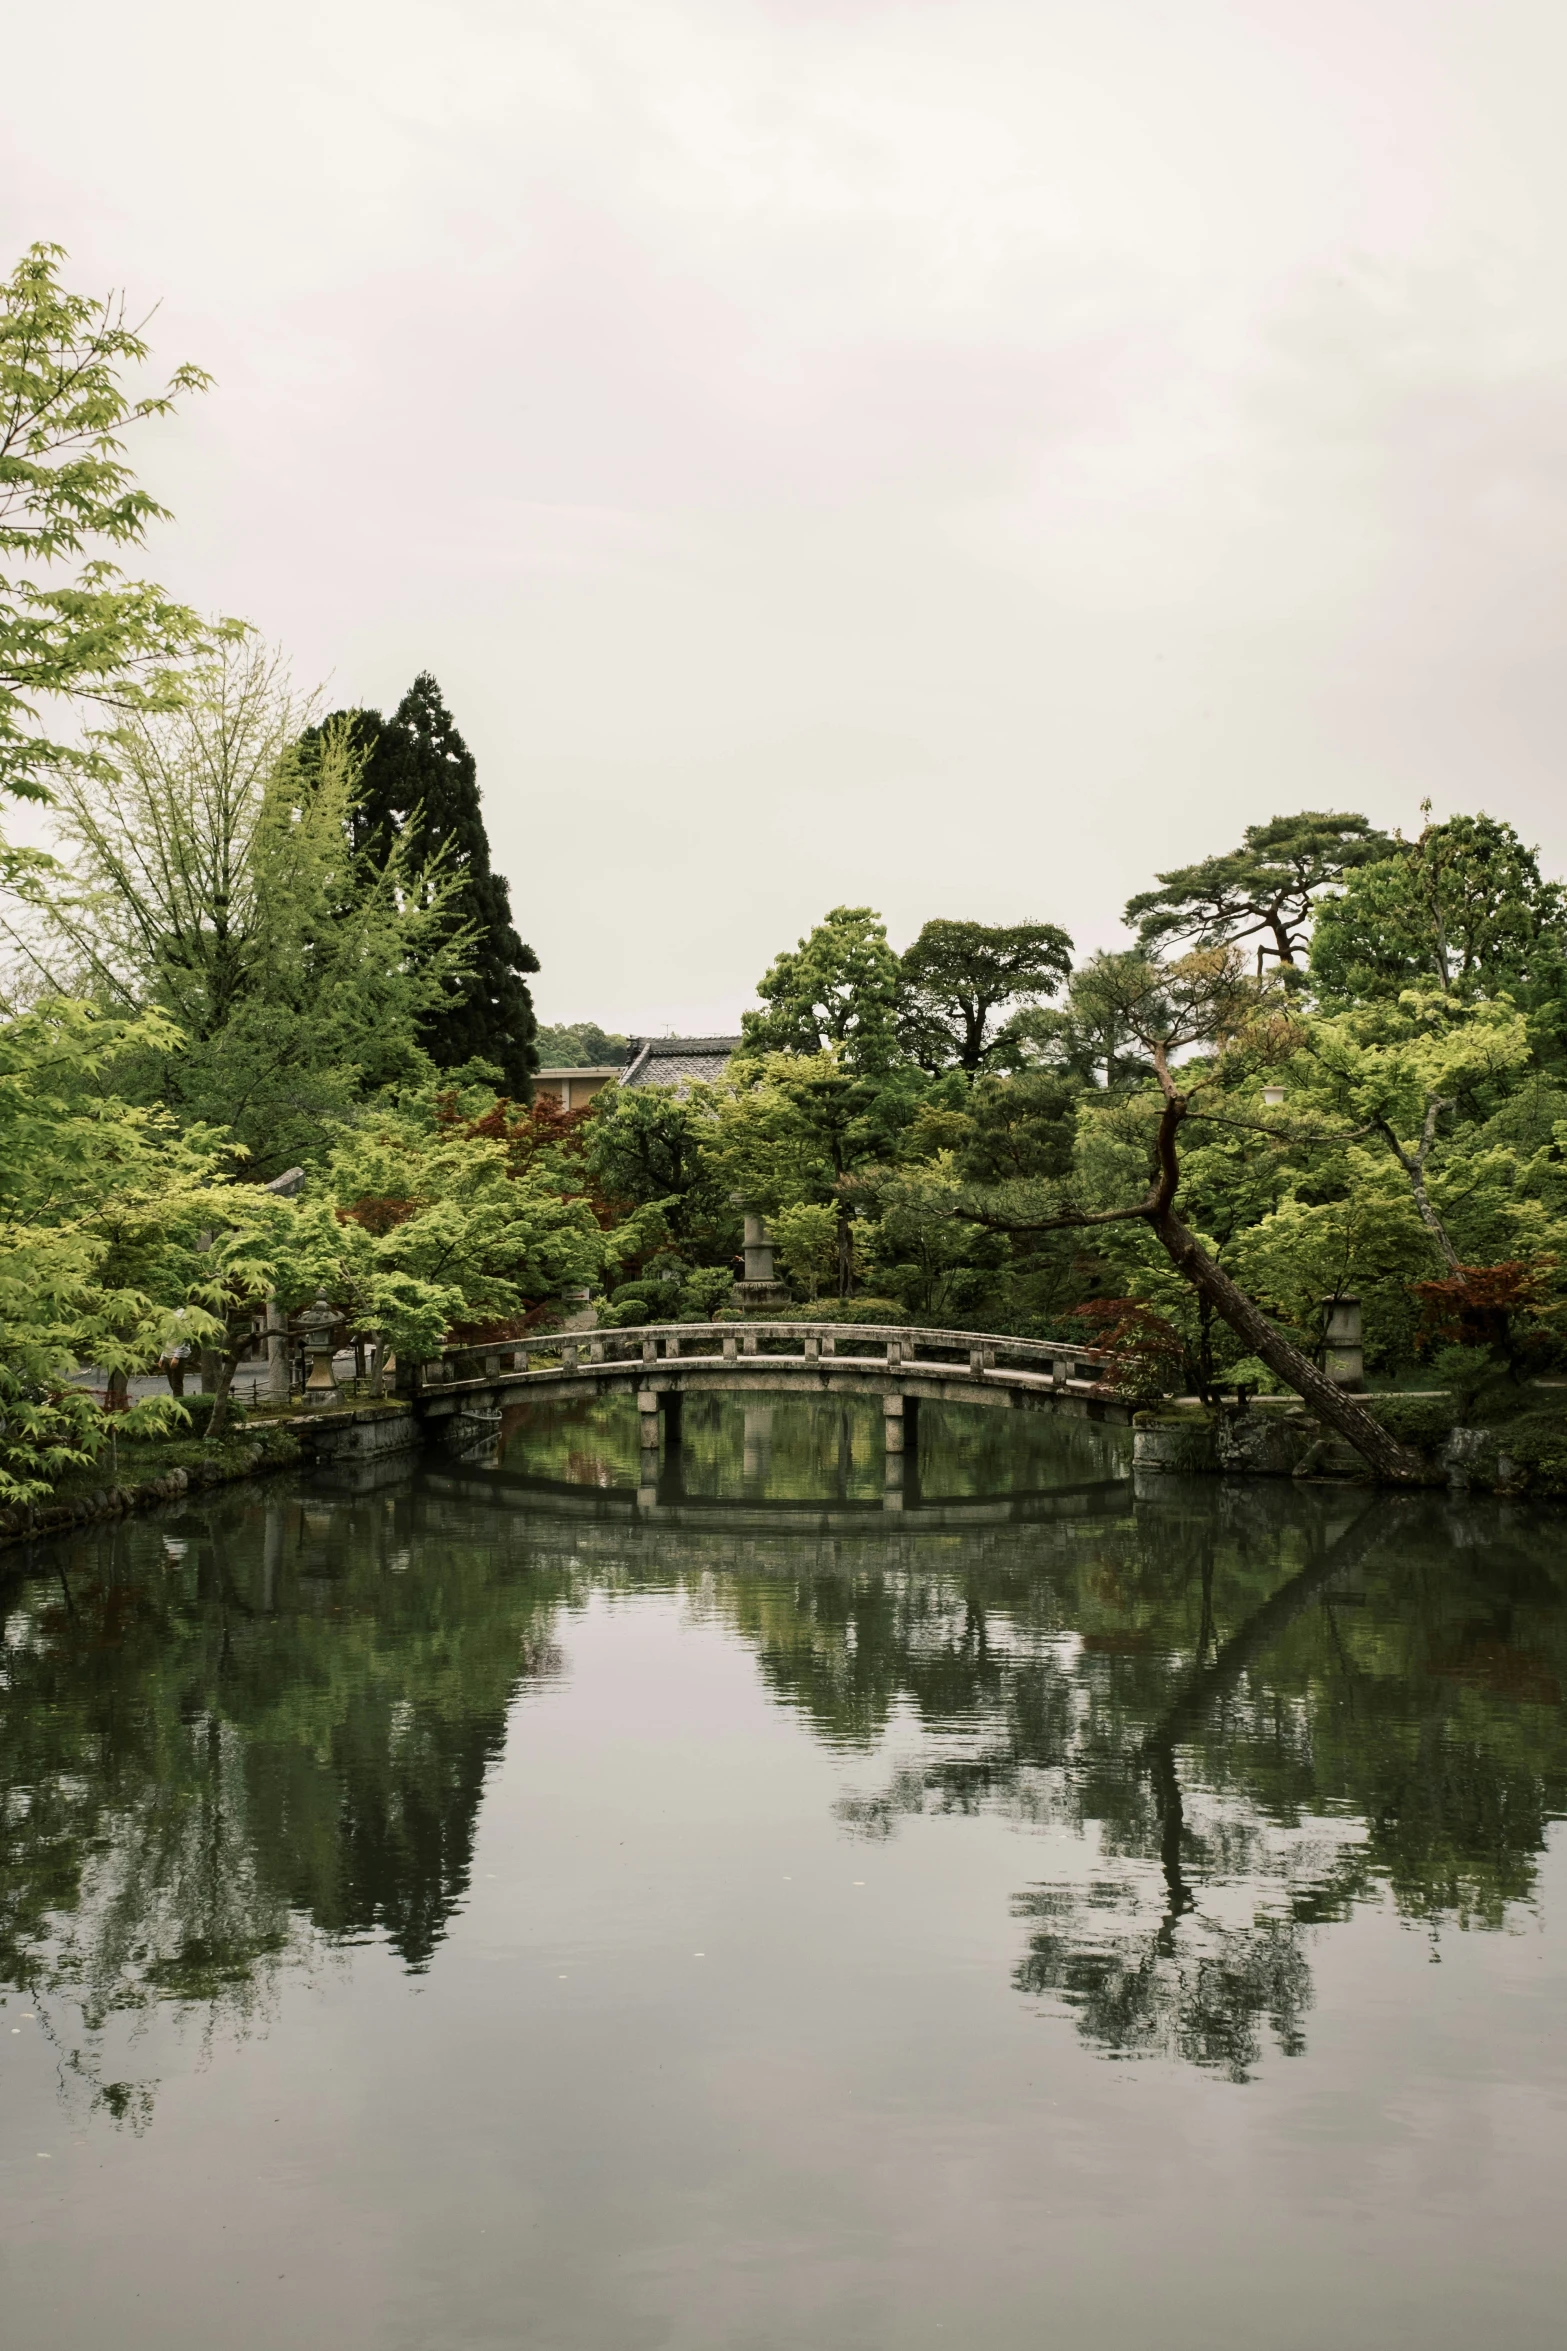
(956, 457)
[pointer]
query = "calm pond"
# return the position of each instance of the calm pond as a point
(479, 1906)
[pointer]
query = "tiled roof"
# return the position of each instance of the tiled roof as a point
(680, 1062)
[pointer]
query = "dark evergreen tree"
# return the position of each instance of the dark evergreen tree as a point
(421, 785)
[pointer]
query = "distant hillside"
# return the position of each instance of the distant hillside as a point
(581, 1044)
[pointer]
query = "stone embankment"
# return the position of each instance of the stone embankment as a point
(1279, 1438)
(304, 1440)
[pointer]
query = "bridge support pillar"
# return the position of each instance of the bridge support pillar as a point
(900, 1432)
(671, 1470)
(900, 1423)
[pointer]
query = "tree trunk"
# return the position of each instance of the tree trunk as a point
(1354, 1424)
(1413, 1164)
(845, 1250)
(220, 1394)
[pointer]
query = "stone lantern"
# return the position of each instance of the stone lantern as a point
(1343, 1349)
(759, 1289)
(318, 1325)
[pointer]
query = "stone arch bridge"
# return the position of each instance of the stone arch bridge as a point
(661, 1363)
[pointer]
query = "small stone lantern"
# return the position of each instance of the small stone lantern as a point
(1343, 1347)
(319, 1328)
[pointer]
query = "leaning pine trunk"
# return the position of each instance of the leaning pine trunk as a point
(1352, 1421)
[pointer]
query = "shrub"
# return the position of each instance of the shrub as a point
(199, 1412)
(845, 1310)
(706, 1290)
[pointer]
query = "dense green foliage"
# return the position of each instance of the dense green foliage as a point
(1332, 1063)
(1383, 1118)
(1269, 889)
(71, 624)
(958, 976)
(420, 797)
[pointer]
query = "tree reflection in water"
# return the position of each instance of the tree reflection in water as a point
(237, 1742)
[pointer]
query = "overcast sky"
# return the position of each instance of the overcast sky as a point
(952, 455)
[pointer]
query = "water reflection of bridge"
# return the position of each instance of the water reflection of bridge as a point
(665, 1502)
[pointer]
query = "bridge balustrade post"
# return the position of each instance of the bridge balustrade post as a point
(672, 1345)
(570, 1354)
(895, 1355)
(1058, 1371)
(748, 1342)
(650, 1350)
(829, 1343)
(731, 1347)
(813, 1348)
(595, 1350)
(976, 1361)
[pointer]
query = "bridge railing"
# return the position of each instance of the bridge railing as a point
(890, 1346)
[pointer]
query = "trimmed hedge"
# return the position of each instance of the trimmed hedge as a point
(844, 1310)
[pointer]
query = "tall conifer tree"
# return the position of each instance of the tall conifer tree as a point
(421, 783)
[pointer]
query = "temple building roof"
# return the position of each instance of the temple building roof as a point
(680, 1062)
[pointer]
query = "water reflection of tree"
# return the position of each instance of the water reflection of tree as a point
(1258, 1708)
(1406, 1687)
(1255, 1709)
(230, 1762)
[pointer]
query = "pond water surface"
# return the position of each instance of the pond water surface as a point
(485, 1905)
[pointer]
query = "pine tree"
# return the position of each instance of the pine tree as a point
(421, 784)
